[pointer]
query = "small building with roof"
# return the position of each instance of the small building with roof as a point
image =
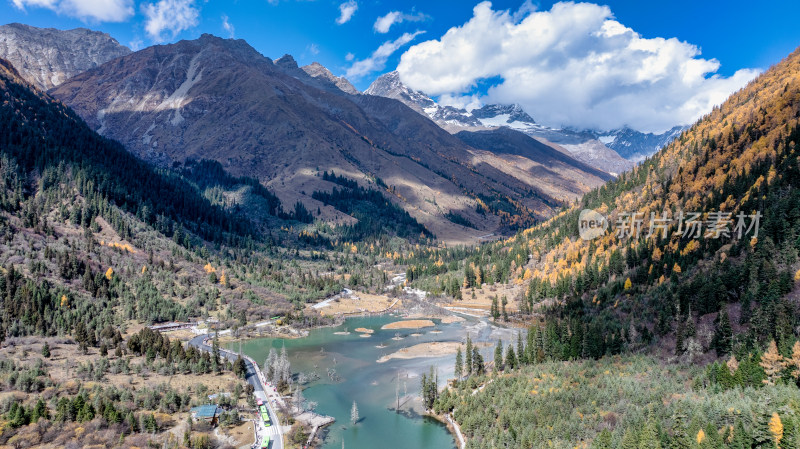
(208, 413)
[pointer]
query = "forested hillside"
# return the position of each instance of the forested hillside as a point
(687, 289)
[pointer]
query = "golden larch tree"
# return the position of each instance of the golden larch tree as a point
(773, 363)
(794, 362)
(701, 436)
(776, 429)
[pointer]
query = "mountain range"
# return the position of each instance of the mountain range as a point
(220, 99)
(285, 125)
(612, 151)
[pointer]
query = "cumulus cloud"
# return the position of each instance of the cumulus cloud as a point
(346, 11)
(228, 27)
(573, 65)
(86, 10)
(377, 60)
(384, 23)
(169, 15)
(349, 57)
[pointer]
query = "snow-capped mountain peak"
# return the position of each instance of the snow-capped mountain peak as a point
(612, 151)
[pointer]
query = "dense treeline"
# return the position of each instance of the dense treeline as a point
(210, 176)
(750, 401)
(375, 214)
(628, 402)
(152, 344)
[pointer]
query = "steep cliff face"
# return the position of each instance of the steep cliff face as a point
(46, 57)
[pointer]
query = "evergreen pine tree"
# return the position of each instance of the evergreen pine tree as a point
(680, 436)
(469, 362)
(459, 368)
(522, 356)
(498, 356)
(740, 440)
(511, 358)
(723, 334)
(649, 438)
(477, 361)
(602, 441)
(630, 439)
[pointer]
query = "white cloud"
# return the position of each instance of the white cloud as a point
(346, 11)
(573, 65)
(228, 27)
(86, 10)
(349, 57)
(377, 60)
(313, 49)
(384, 23)
(169, 15)
(136, 44)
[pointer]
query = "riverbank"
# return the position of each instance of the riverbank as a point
(452, 427)
(350, 303)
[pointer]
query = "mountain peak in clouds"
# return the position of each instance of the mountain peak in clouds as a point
(46, 57)
(514, 111)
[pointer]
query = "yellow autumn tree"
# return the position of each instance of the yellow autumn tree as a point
(797, 275)
(773, 363)
(109, 273)
(776, 429)
(223, 280)
(676, 268)
(64, 301)
(628, 284)
(209, 269)
(701, 436)
(733, 365)
(657, 254)
(794, 362)
(144, 268)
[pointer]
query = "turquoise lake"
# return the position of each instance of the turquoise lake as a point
(372, 385)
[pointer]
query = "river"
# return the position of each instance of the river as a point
(373, 385)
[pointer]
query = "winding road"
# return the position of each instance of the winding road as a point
(252, 377)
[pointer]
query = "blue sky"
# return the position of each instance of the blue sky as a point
(338, 34)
